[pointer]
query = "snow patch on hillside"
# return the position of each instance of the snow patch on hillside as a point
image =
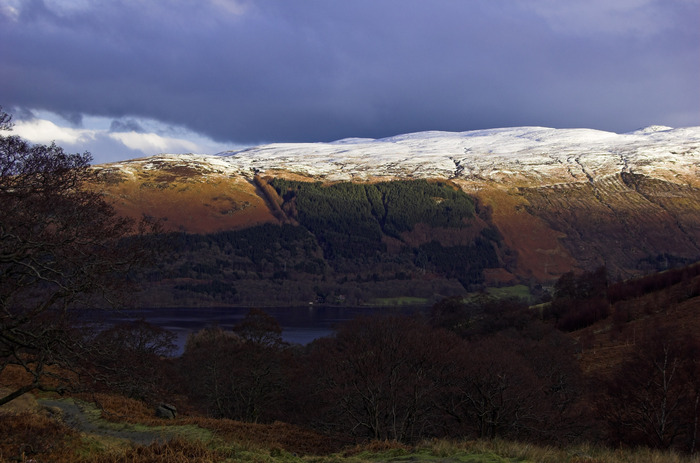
(652, 129)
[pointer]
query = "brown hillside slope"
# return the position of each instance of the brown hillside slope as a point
(620, 221)
(624, 221)
(609, 342)
(187, 198)
(540, 254)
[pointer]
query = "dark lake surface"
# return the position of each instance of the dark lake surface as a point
(300, 325)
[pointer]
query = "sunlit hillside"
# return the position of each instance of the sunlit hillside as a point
(551, 200)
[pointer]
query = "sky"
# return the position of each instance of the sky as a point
(132, 78)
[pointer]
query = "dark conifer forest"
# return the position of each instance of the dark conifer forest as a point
(344, 240)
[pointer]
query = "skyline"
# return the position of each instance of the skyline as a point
(127, 79)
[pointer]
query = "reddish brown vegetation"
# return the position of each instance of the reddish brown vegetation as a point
(26, 436)
(175, 451)
(579, 301)
(541, 255)
(195, 204)
(656, 282)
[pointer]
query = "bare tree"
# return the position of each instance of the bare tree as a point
(238, 374)
(491, 392)
(259, 327)
(652, 398)
(131, 358)
(378, 377)
(62, 247)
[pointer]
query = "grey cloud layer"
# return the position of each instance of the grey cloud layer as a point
(318, 70)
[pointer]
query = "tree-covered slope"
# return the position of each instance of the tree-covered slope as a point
(350, 243)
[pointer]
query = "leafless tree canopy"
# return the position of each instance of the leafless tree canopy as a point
(61, 248)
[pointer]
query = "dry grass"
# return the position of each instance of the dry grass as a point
(287, 437)
(377, 446)
(120, 409)
(27, 436)
(32, 436)
(117, 408)
(24, 403)
(14, 376)
(284, 436)
(581, 453)
(500, 450)
(198, 204)
(175, 451)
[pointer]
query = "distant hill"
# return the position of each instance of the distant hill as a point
(422, 215)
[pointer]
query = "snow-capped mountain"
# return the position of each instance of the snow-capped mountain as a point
(520, 155)
(561, 199)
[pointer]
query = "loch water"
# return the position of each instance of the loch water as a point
(300, 325)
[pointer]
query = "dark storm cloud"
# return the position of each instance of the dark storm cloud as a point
(74, 118)
(125, 125)
(314, 70)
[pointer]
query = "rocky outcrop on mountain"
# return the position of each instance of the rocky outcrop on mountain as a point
(560, 199)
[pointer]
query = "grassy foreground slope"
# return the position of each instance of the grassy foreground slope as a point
(32, 434)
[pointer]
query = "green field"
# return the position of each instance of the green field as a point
(510, 292)
(397, 301)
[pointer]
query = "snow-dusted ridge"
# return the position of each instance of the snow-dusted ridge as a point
(518, 155)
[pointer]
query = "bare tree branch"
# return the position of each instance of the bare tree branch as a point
(62, 248)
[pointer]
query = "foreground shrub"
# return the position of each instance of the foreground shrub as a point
(27, 436)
